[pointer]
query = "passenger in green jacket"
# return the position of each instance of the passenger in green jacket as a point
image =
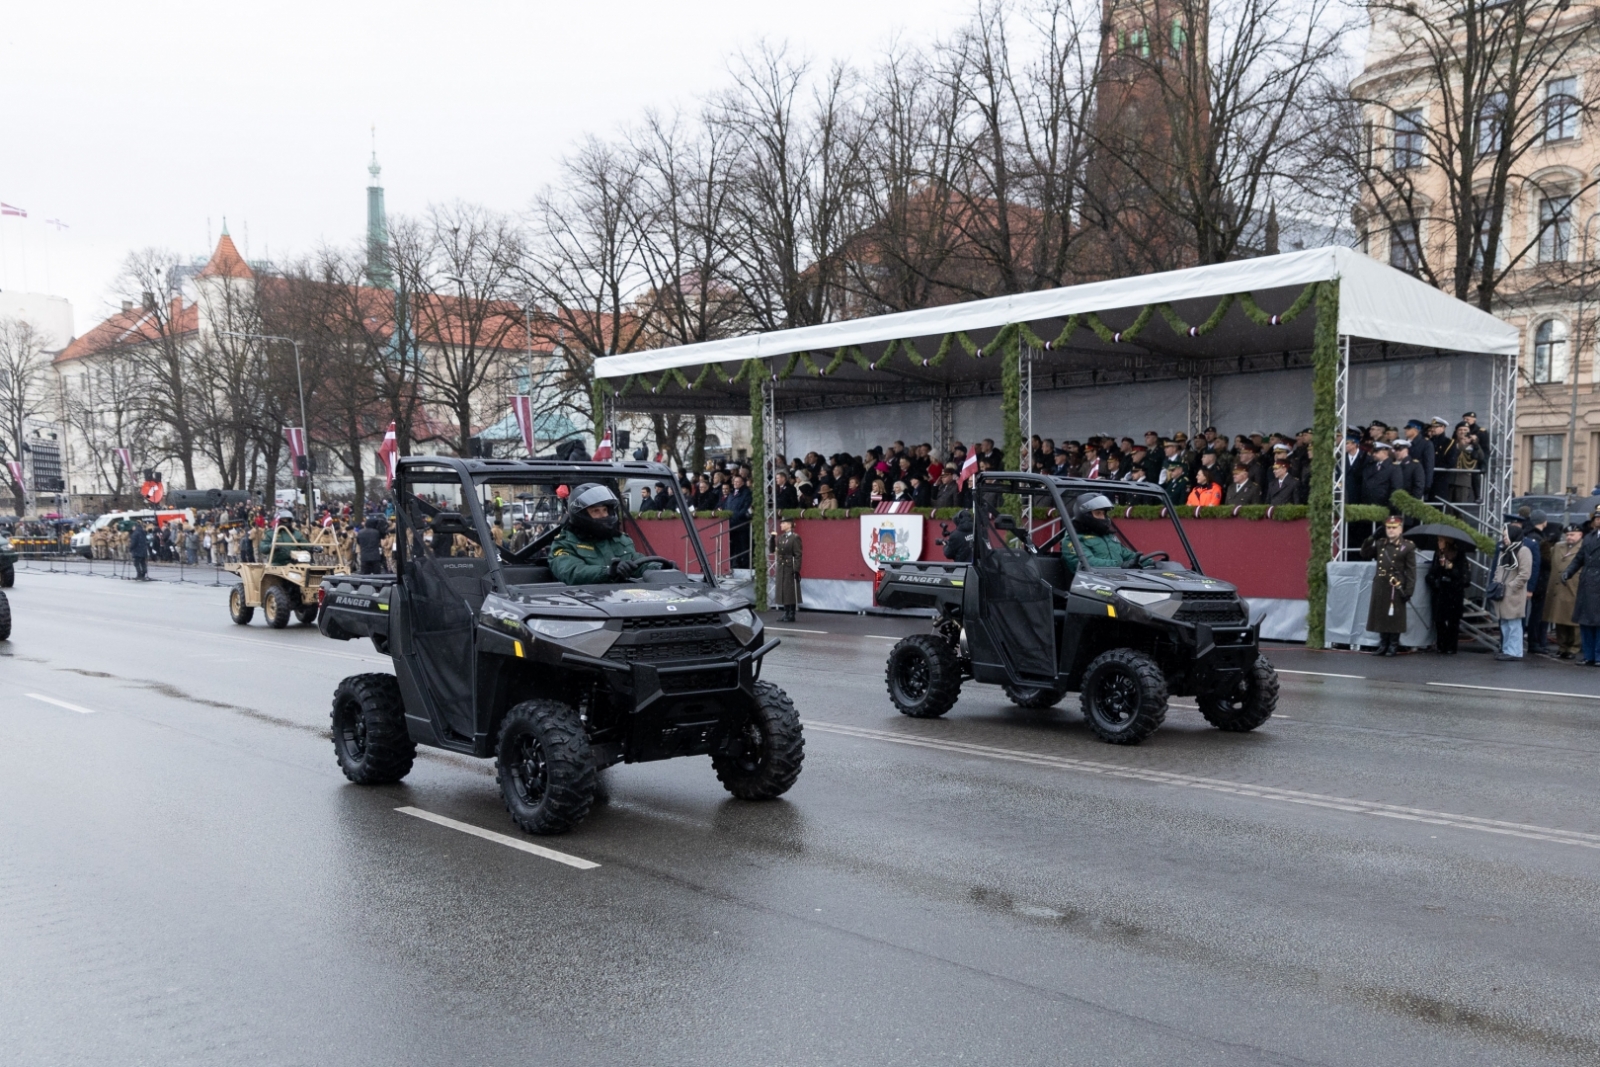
(593, 548)
(1100, 545)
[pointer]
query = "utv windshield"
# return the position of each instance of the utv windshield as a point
(1020, 513)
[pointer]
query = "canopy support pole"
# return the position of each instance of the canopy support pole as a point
(943, 424)
(1199, 404)
(1497, 475)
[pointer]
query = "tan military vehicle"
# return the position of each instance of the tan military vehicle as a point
(287, 581)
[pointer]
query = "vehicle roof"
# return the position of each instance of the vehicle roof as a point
(559, 468)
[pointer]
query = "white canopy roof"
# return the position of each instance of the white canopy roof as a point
(1376, 302)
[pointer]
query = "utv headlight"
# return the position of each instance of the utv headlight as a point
(300, 557)
(1144, 597)
(745, 624)
(561, 629)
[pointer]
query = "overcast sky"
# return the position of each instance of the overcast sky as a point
(145, 124)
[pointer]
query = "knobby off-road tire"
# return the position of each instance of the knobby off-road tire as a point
(369, 730)
(544, 766)
(1124, 696)
(5, 618)
(307, 614)
(923, 676)
(276, 606)
(238, 610)
(1247, 706)
(8, 577)
(1027, 697)
(764, 757)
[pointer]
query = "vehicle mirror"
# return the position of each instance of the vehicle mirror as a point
(1005, 522)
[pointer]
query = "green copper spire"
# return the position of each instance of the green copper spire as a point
(378, 272)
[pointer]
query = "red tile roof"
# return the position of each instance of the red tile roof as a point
(226, 262)
(132, 325)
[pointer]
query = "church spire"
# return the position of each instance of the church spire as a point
(378, 272)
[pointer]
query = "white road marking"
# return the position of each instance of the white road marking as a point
(1323, 674)
(793, 630)
(1523, 692)
(60, 703)
(501, 839)
(1218, 785)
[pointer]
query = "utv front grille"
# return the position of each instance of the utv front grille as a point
(664, 651)
(709, 678)
(671, 622)
(1223, 608)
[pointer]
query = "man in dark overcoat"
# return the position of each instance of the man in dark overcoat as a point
(1586, 612)
(1392, 585)
(787, 549)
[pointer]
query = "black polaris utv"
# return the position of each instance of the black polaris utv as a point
(494, 657)
(1057, 598)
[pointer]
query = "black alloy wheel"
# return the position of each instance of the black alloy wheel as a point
(923, 676)
(1124, 696)
(370, 740)
(762, 759)
(544, 766)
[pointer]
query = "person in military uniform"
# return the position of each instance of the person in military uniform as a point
(592, 548)
(787, 549)
(1100, 545)
(287, 540)
(1392, 585)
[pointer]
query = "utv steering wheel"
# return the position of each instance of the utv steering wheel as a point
(637, 564)
(1150, 557)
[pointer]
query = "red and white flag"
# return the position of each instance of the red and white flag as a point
(12, 209)
(968, 469)
(15, 467)
(522, 406)
(389, 452)
(296, 436)
(603, 449)
(126, 456)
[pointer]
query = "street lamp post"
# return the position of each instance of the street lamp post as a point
(300, 383)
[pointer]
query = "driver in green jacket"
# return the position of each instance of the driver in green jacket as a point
(592, 548)
(287, 540)
(1100, 545)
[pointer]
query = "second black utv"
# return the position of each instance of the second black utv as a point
(557, 648)
(1056, 599)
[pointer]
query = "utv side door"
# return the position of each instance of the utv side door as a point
(442, 590)
(1015, 624)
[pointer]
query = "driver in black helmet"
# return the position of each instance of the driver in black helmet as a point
(1100, 545)
(592, 547)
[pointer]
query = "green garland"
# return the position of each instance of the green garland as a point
(1325, 433)
(1412, 508)
(1185, 513)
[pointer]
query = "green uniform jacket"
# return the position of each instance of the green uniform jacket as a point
(288, 541)
(1101, 552)
(578, 562)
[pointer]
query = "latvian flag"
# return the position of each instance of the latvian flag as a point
(603, 449)
(296, 436)
(968, 468)
(16, 474)
(10, 209)
(389, 452)
(522, 406)
(126, 456)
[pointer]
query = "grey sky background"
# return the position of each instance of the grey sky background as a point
(144, 125)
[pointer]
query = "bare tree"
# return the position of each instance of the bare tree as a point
(106, 403)
(1443, 137)
(160, 345)
(23, 394)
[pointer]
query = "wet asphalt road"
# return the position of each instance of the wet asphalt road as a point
(1391, 872)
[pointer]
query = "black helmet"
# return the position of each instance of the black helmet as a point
(581, 523)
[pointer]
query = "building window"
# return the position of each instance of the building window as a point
(1550, 352)
(1404, 251)
(1544, 463)
(1491, 122)
(1561, 109)
(1408, 146)
(1555, 229)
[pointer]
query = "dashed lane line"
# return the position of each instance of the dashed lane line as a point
(501, 839)
(1520, 692)
(1219, 785)
(1323, 674)
(60, 703)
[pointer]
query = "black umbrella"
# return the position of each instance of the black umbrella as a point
(1439, 529)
